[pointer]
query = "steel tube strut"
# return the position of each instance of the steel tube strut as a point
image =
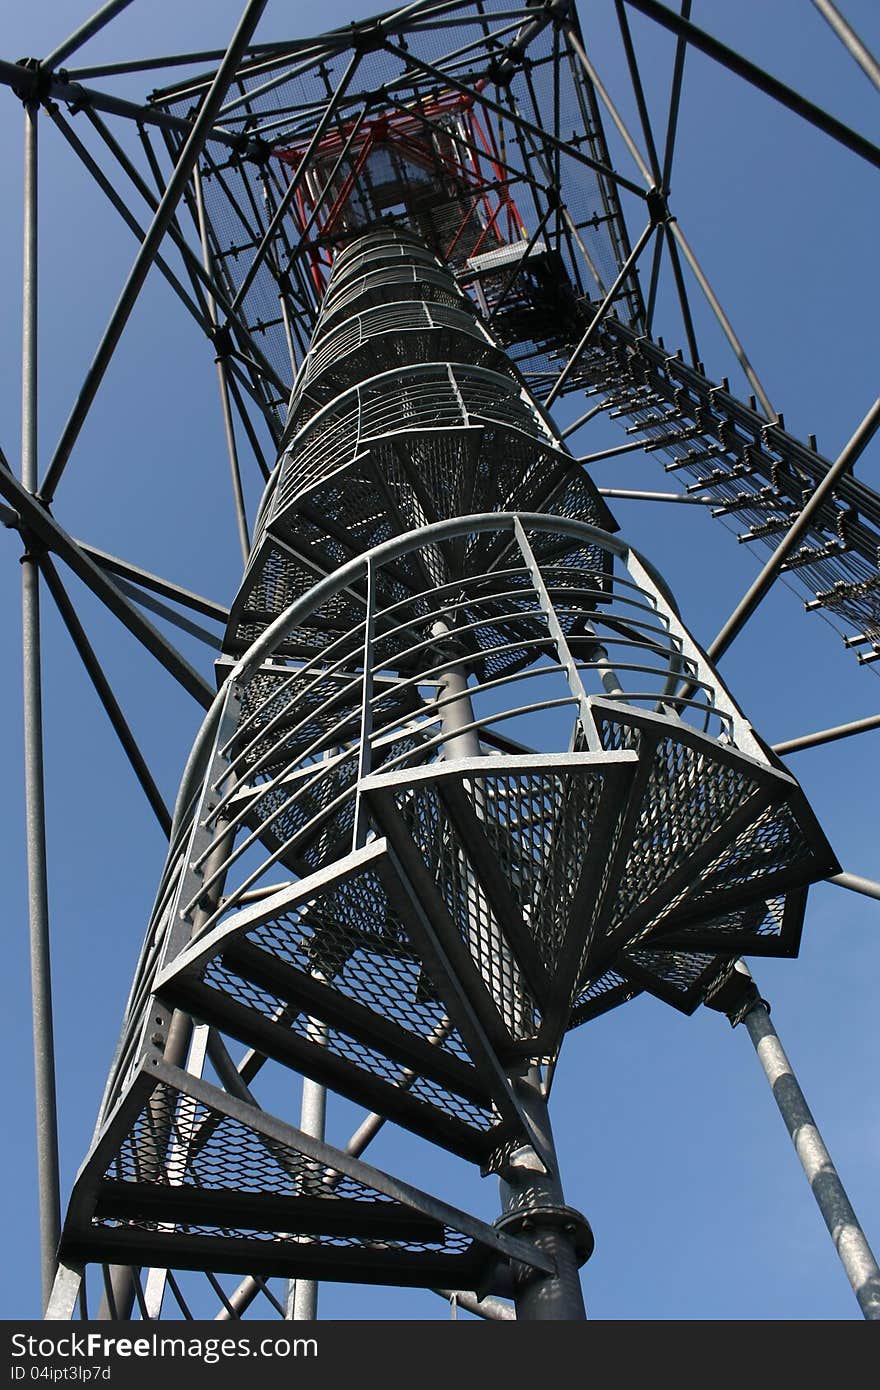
(638, 90)
(105, 695)
(32, 85)
(850, 39)
(664, 178)
(55, 538)
(85, 31)
(726, 326)
(145, 579)
(750, 600)
(675, 99)
(750, 72)
(857, 884)
(122, 208)
(855, 726)
(636, 496)
(150, 245)
(672, 233)
(202, 283)
(837, 1212)
(661, 178)
(681, 291)
(646, 173)
(35, 807)
(583, 419)
(291, 189)
(491, 1308)
(600, 314)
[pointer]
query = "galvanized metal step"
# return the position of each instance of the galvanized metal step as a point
(185, 1176)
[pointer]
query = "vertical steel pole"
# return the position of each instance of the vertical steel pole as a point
(533, 1207)
(849, 1239)
(302, 1294)
(35, 807)
(460, 740)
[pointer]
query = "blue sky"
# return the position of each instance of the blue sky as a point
(669, 1139)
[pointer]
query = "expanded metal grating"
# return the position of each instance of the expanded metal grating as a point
(198, 1180)
(383, 438)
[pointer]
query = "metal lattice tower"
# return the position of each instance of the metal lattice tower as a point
(467, 782)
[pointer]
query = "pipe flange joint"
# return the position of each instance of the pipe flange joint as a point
(735, 994)
(256, 149)
(570, 1222)
(35, 84)
(221, 337)
(658, 207)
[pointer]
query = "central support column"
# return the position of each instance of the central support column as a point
(460, 738)
(534, 1209)
(533, 1205)
(302, 1294)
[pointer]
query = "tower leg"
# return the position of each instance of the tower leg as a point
(740, 1001)
(849, 1239)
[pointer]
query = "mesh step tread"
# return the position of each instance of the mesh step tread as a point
(184, 1175)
